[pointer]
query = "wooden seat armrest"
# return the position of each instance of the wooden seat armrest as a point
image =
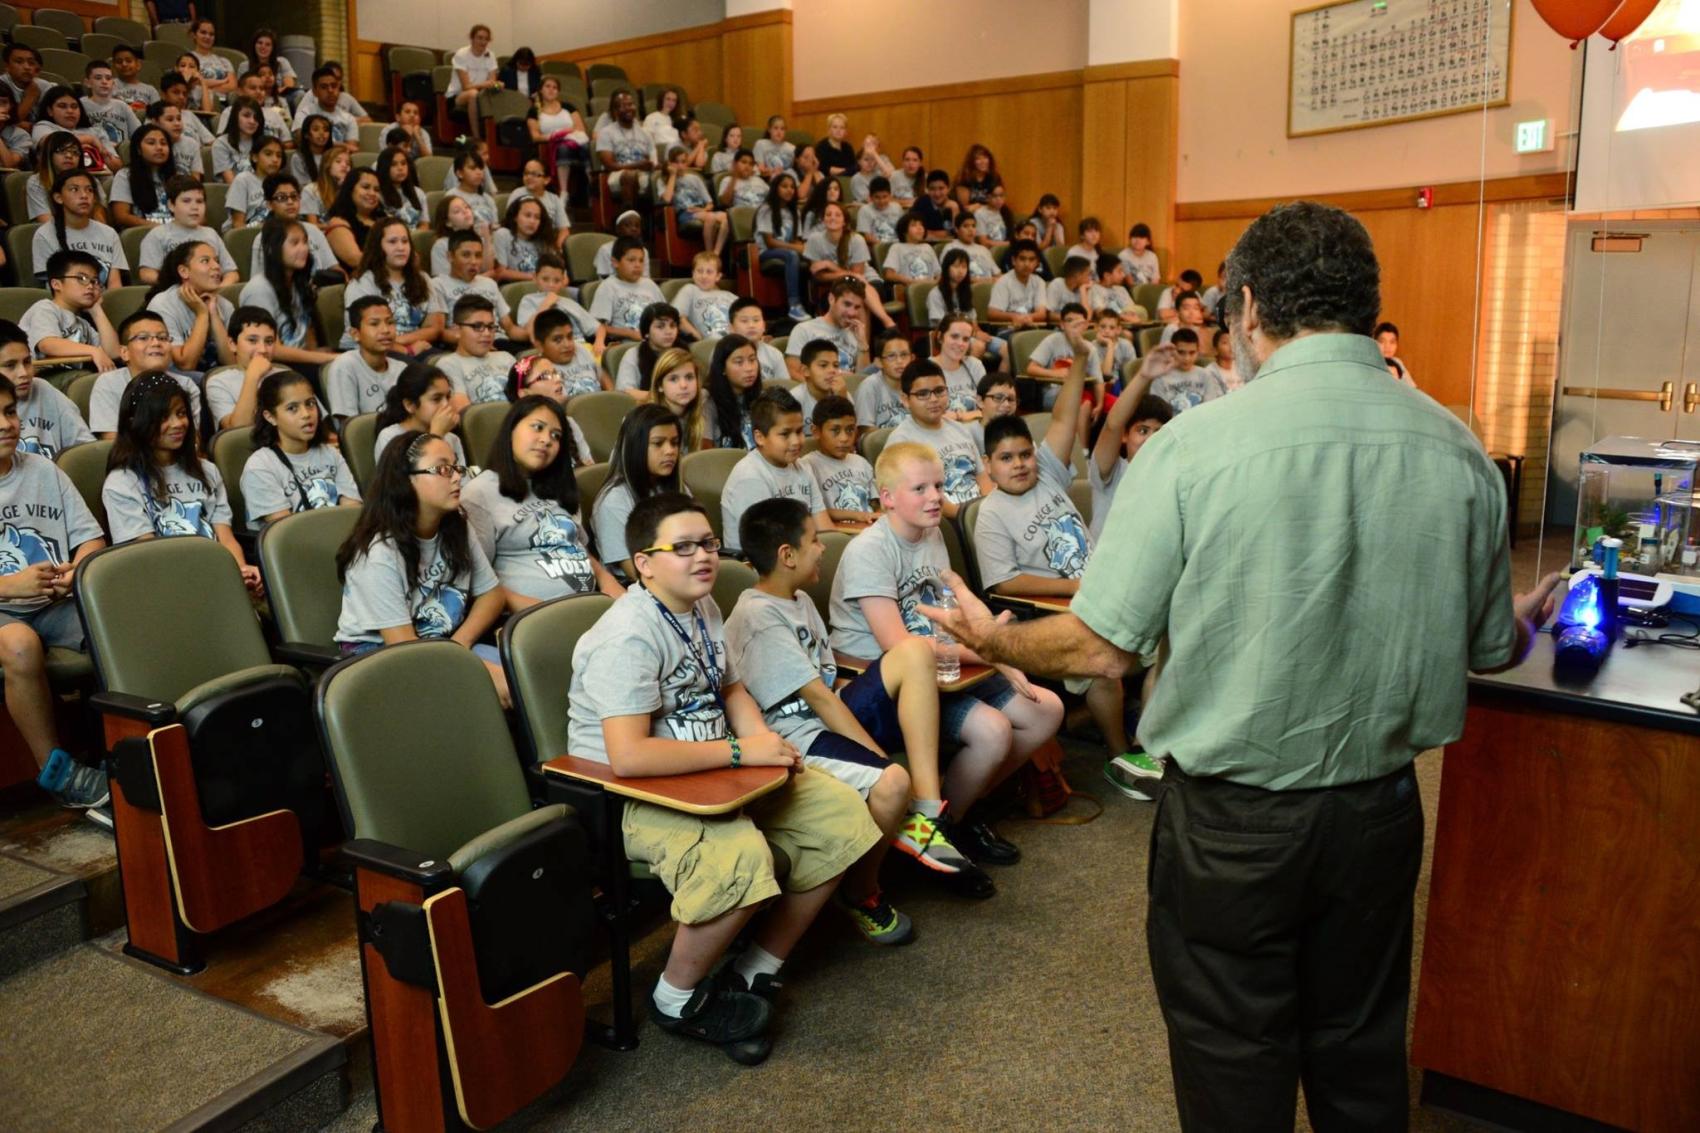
(973, 672)
(720, 791)
(1039, 603)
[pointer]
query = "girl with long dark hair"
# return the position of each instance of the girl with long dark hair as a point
(389, 268)
(294, 466)
(285, 289)
(734, 383)
(138, 190)
(422, 400)
(644, 463)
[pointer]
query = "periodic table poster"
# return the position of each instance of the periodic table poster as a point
(1366, 63)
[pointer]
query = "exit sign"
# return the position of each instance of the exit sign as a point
(1535, 136)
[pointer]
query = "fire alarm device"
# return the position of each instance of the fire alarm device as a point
(1425, 198)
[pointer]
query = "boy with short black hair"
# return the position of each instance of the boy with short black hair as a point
(628, 223)
(553, 329)
(48, 530)
(888, 571)
(188, 202)
(70, 322)
(1111, 348)
(980, 262)
(1018, 297)
(476, 368)
(1052, 361)
(1189, 314)
(822, 378)
(1188, 384)
(359, 380)
(926, 395)
(551, 294)
(1222, 343)
(1073, 285)
(845, 477)
(127, 66)
(111, 117)
(144, 346)
(1110, 292)
(937, 210)
(656, 692)
(1029, 538)
(466, 256)
(780, 644)
(771, 469)
(232, 391)
(997, 396)
(747, 319)
(877, 220)
(48, 421)
(704, 308)
(620, 300)
(1167, 301)
(879, 399)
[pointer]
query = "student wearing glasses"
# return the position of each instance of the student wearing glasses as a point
(411, 570)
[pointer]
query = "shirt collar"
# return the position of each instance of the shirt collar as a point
(1315, 349)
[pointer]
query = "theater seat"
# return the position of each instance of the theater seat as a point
(297, 556)
(835, 542)
(730, 583)
(218, 791)
(474, 909)
(479, 426)
(599, 414)
(359, 438)
(704, 474)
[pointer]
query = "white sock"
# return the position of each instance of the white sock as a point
(671, 1000)
(756, 961)
(932, 808)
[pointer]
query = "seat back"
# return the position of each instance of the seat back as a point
(239, 242)
(537, 655)
(581, 255)
(41, 37)
(705, 475)
(716, 112)
(612, 356)
(14, 301)
(604, 71)
(1080, 491)
(874, 443)
(298, 559)
(165, 615)
(85, 464)
(982, 295)
(163, 50)
(732, 580)
(1147, 295)
(9, 20)
(599, 414)
(331, 314)
(835, 542)
(359, 439)
(960, 562)
(1149, 338)
(19, 237)
(1022, 344)
(479, 425)
(67, 63)
(131, 32)
(131, 239)
(432, 171)
(176, 33)
(17, 203)
(590, 479)
(1130, 370)
(519, 289)
(230, 450)
(419, 750)
(122, 302)
(563, 67)
(799, 138)
(81, 392)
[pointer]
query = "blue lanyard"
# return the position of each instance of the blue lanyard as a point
(709, 666)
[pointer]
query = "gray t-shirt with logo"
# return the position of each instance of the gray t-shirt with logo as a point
(189, 508)
(49, 422)
(958, 451)
(482, 379)
(880, 563)
(376, 595)
(780, 646)
(843, 338)
(633, 663)
(354, 387)
(1039, 532)
(847, 484)
(43, 519)
(878, 406)
(755, 478)
(108, 395)
(537, 547)
(310, 480)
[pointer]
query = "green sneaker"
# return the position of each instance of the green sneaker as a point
(1135, 775)
(875, 919)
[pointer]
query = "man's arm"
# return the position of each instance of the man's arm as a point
(1033, 646)
(1533, 610)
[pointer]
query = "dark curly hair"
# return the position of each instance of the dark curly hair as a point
(1310, 267)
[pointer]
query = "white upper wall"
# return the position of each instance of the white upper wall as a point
(854, 46)
(557, 25)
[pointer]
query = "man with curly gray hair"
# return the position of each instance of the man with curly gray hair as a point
(1322, 556)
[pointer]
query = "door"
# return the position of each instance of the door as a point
(1629, 360)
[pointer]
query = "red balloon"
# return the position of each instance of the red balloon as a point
(1629, 16)
(1575, 20)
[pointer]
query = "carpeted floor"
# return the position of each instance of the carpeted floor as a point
(93, 1041)
(1032, 1009)
(17, 877)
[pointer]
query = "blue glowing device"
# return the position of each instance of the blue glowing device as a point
(1587, 622)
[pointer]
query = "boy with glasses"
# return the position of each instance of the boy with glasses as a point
(70, 323)
(879, 399)
(655, 691)
(144, 345)
(927, 397)
(283, 195)
(477, 369)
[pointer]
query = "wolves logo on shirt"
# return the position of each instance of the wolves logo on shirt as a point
(489, 383)
(925, 594)
(22, 546)
(440, 611)
(556, 536)
(321, 493)
(961, 478)
(179, 518)
(628, 311)
(37, 446)
(577, 377)
(850, 494)
(714, 321)
(523, 254)
(407, 316)
(1066, 547)
(917, 265)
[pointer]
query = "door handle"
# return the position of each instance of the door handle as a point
(1690, 397)
(1664, 395)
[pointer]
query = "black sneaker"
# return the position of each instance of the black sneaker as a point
(969, 881)
(717, 1014)
(979, 841)
(766, 986)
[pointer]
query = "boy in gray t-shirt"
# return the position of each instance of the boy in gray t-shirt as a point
(770, 469)
(48, 421)
(655, 691)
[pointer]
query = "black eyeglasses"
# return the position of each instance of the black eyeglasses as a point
(936, 391)
(685, 548)
(480, 328)
(446, 471)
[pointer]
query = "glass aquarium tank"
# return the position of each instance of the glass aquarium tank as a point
(1640, 491)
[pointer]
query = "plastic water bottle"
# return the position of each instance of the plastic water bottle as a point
(949, 654)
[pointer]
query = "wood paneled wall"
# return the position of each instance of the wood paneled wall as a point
(1030, 123)
(744, 62)
(1429, 267)
(1130, 139)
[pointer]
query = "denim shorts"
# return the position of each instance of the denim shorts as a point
(56, 623)
(877, 712)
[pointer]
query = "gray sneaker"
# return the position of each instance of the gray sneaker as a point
(82, 787)
(1135, 775)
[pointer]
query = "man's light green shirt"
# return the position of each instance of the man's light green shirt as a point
(1325, 551)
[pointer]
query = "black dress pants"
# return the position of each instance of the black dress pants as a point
(1279, 929)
